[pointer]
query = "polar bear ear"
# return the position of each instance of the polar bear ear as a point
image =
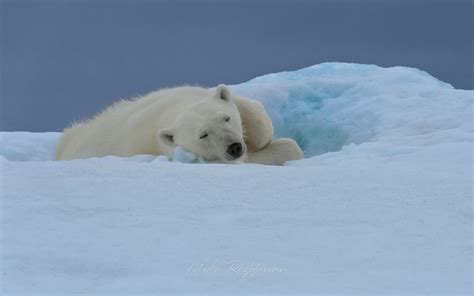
(223, 92)
(166, 136)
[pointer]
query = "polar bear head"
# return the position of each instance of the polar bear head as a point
(210, 128)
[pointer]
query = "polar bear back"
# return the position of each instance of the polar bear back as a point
(128, 127)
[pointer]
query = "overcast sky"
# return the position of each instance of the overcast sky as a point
(65, 60)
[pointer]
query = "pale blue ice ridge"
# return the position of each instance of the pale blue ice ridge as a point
(327, 106)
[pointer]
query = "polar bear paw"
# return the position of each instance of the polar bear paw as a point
(277, 153)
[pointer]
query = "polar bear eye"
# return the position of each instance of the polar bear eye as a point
(204, 135)
(227, 119)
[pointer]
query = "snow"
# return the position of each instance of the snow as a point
(25, 146)
(182, 155)
(382, 204)
(328, 106)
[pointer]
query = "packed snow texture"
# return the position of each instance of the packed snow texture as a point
(381, 205)
(328, 106)
(182, 155)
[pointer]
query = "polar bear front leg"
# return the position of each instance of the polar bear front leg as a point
(257, 125)
(277, 153)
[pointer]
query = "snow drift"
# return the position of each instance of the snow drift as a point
(381, 204)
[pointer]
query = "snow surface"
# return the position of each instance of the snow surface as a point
(180, 154)
(382, 204)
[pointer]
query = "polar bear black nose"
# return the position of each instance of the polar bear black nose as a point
(235, 150)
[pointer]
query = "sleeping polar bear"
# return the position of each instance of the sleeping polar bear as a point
(216, 125)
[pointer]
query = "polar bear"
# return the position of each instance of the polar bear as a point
(214, 124)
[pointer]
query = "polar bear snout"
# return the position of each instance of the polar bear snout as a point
(235, 150)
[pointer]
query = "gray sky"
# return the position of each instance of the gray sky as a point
(65, 60)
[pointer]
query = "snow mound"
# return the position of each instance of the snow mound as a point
(26, 146)
(328, 106)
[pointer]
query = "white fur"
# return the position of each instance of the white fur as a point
(160, 121)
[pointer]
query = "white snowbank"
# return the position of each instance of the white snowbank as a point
(330, 105)
(388, 211)
(26, 146)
